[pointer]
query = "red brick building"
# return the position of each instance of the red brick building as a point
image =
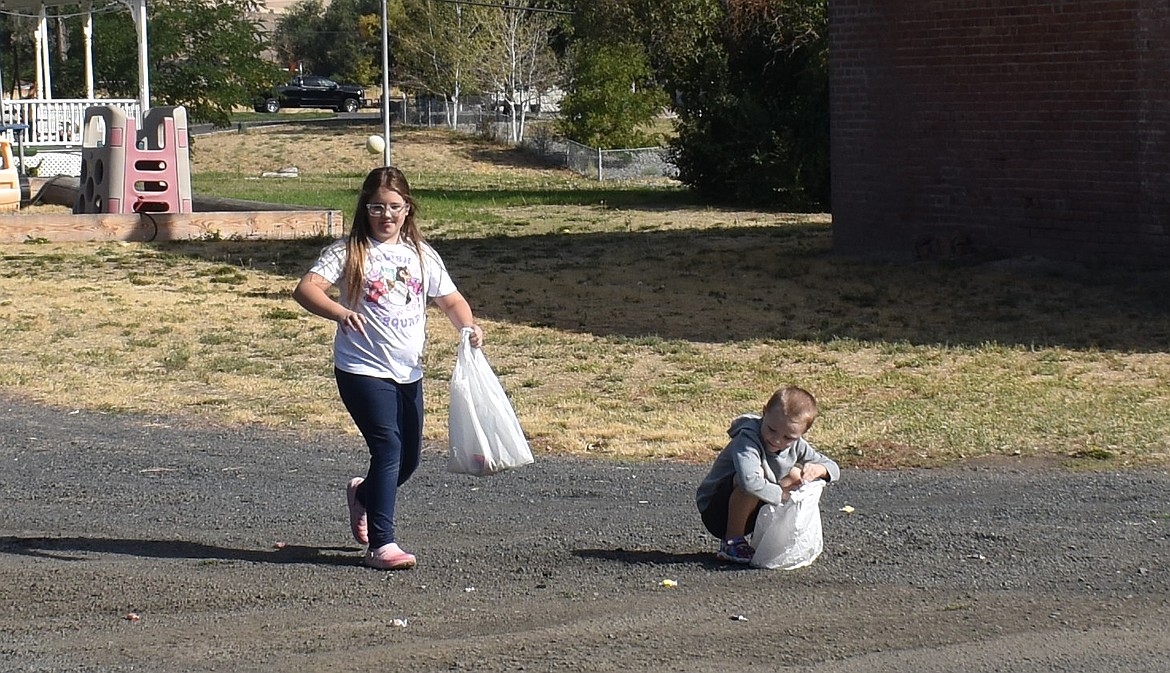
(1002, 127)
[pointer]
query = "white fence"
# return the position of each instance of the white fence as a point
(53, 124)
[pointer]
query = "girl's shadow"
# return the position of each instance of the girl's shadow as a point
(68, 548)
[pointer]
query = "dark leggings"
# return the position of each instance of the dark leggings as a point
(390, 417)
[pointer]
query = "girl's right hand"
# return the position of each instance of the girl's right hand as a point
(354, 321)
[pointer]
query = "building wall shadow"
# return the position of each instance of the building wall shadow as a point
(747, 283)
(784, 282)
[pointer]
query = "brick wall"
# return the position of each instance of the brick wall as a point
(1006, 128)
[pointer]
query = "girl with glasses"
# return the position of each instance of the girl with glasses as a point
(385, 272)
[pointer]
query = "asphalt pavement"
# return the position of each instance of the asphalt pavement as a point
(151, 543)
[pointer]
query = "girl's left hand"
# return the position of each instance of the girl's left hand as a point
(476, 337)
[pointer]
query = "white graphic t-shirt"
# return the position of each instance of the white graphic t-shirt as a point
(393, 305)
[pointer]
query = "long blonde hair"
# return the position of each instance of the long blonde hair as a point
(357, 245)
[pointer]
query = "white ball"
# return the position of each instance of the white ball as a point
(375, 144)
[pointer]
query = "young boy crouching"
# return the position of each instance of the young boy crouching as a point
(766, 458)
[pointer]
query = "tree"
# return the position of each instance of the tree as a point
(342, 40)
(668, 31)
(299, 35)
(436, 44)
(520, 64)
(619, 57)
(204, 55)
(751, 83)
(611, 94)
(353, 52)
(17, 65)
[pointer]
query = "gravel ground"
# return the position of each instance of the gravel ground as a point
(152, 544)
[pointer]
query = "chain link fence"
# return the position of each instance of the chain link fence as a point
(619, 164)
(541, 140)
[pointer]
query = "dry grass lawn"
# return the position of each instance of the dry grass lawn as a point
(341, 150)
(637, 331)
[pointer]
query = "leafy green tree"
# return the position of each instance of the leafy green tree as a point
(207, 56)
(618, 56)
(749, 81)
(353, 52)
(611, 96)
(204, 55)
(436, 46)
(342, 40)
(299, 37)
(751, 89)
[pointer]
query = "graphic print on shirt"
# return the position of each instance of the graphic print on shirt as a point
(413, 285)
(392, 292)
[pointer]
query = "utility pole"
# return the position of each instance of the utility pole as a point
(385, 86)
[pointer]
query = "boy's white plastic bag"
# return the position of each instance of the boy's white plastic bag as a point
(485, 436)
(789, 535)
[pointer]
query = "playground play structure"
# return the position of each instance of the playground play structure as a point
(127, 170)
(135, 185)
(11, 192)
(122, 166)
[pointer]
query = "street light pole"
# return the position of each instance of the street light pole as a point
(385, 85)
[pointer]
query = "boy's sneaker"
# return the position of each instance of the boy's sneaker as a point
(736, 550)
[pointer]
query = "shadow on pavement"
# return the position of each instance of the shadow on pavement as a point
(651, 556)
(68, 548)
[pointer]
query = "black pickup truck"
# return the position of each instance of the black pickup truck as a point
(312, 91)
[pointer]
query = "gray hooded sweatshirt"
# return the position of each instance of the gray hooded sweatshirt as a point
(757, 470)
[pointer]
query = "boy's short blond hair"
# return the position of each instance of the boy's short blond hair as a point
(795, 403)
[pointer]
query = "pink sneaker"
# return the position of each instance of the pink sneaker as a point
(357, 514)
(389, 557)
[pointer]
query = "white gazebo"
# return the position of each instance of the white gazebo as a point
(50, 123)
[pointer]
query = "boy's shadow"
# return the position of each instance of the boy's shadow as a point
(66, 548)
(653, 557)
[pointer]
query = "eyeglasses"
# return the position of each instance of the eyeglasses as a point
(380, 209)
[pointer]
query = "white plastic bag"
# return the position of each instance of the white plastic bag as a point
(485, 436)
(789, 535)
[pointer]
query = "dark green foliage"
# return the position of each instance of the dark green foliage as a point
(753, 107)
(610, 96)
(749, 79)
(299, 37)
(353, 54)
(204, 55)
(342, 41)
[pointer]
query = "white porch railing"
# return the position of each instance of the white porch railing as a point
(55, 123)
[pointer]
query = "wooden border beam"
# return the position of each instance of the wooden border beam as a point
(246, 225)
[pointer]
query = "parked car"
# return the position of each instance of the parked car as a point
(312, 91)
